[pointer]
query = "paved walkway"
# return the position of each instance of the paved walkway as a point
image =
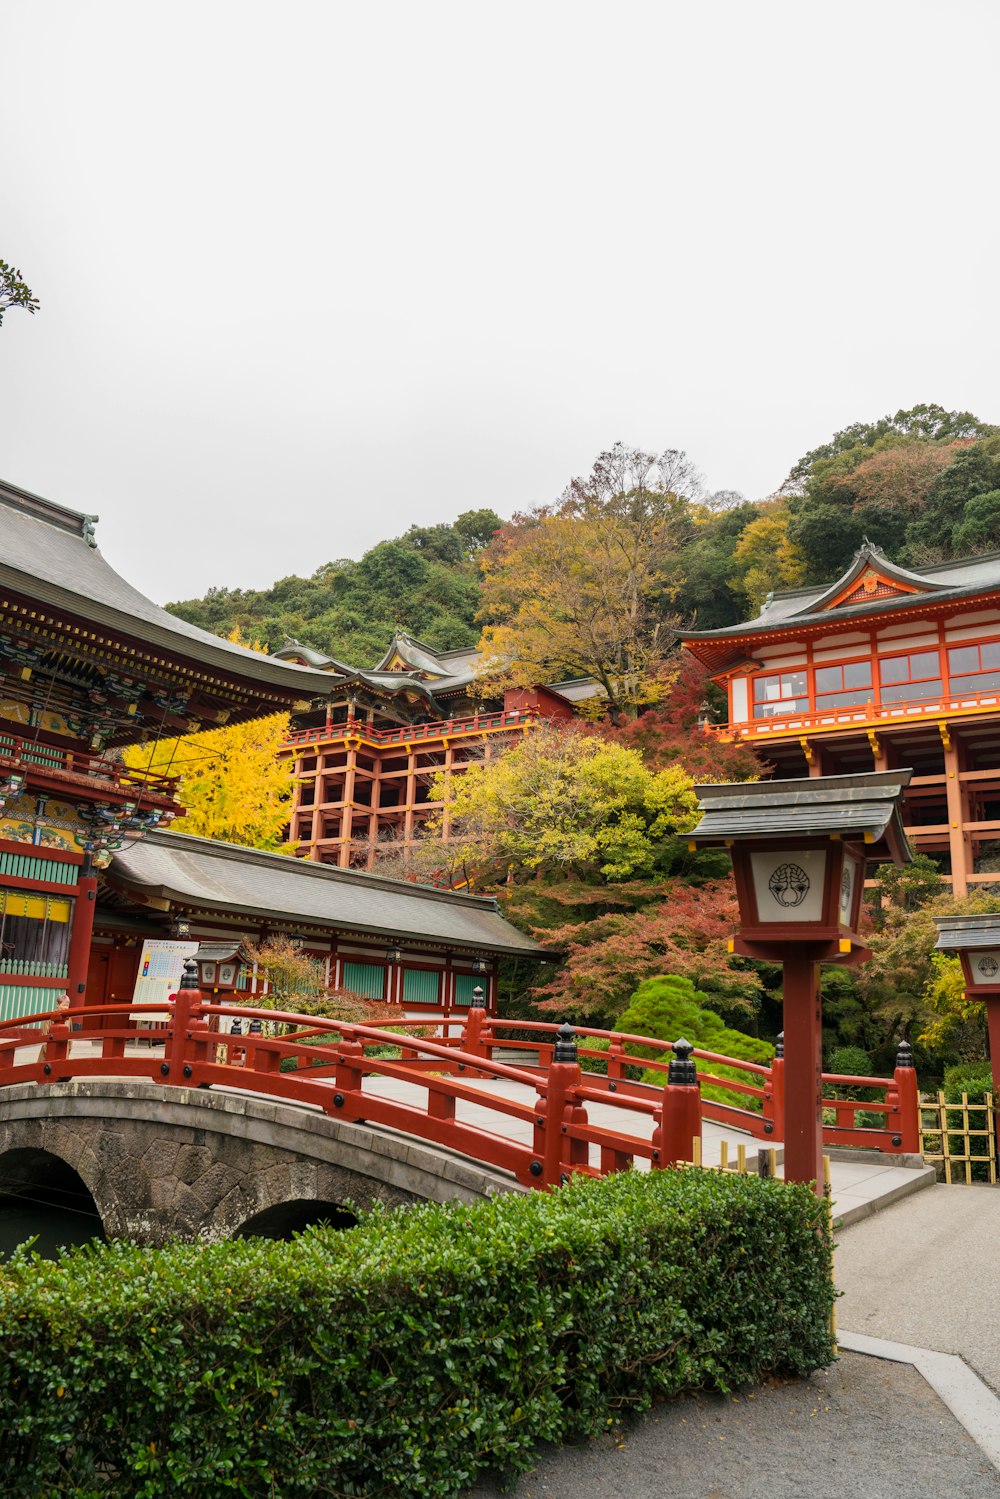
(862, 1429)
(861, 1180)
(928, 1272)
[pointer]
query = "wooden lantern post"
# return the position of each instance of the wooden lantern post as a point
(976, 941)
(800, 849)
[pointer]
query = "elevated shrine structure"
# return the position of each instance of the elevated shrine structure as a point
(365, 760)
(885, 668)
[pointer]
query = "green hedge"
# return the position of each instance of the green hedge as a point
(409, 1354)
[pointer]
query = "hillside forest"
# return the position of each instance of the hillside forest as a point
(580, 830)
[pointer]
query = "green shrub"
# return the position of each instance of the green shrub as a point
(667, 1007)
(407, 1355)
(850, 1061)
(853, 1061)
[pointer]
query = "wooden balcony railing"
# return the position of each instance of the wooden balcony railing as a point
(25, 755)
(777, 725)
(445, 728)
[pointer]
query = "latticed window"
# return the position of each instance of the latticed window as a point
(843, 686)
(784, 692)
(975, 668)
(465, 983)
(910, 678)
(366, 979)
(420, 987)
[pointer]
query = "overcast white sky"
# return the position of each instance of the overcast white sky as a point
(313, 272)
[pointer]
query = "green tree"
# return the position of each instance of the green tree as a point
(930, 423)
(577, 588)
(561, 801)
(979, 528)
(14, 291)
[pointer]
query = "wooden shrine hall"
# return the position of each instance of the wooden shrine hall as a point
(88, 666)
(365, 760)
(885, 668)
(422, 948)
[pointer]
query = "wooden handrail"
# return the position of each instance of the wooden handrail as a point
(198, 1052)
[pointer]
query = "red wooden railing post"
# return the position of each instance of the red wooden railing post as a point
(908, 1096)
(350, 1072)
(55, 1048)
(473, 1041)
(778, 1088)
(185, 1006)
(556, 1111)
(616, 1065)
(678, 1119)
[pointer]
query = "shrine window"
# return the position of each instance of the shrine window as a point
(975, 668)
(34, 933)
(910, 678)
(785, 692)
(843, 686)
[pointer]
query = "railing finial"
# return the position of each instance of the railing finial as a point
(681, 1071)
(565, 1048)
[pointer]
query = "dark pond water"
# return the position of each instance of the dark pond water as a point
(50, 1225)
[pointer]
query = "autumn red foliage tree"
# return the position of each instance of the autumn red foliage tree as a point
(670, 734)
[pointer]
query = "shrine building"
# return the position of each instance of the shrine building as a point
(88, 666)
(365, 760)
(887, 667)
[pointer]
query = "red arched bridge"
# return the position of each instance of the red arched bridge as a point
(535, 1100)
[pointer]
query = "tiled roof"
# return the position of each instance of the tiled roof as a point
(809, 606)
(200, 872)
(737, 811)
(48, 553)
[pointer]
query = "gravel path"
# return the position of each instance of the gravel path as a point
(864, 1428)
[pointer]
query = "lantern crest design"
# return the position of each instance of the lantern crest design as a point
(789, 884)
(976, 940)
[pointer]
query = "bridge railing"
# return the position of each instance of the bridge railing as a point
(307, 1060)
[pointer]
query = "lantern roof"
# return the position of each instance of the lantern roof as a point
(860, 806)
(961, 933)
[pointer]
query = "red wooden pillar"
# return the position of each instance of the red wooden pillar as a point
(678, 1124)
(81, 933)
(993, 1023)
(803, 1073)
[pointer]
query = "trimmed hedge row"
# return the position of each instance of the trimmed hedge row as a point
(409, 1354)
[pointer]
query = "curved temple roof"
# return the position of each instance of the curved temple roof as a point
(222, 877)
(425, 672)
(809, 607)
(48, 553)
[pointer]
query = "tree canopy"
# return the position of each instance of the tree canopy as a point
(14, 291)
(425, 582)
(579, 588)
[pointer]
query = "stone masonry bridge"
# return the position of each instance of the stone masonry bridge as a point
(162, 1164)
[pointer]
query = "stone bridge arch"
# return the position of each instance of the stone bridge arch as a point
(167, 1163)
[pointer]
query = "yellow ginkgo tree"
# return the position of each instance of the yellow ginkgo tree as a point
(233, 786)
